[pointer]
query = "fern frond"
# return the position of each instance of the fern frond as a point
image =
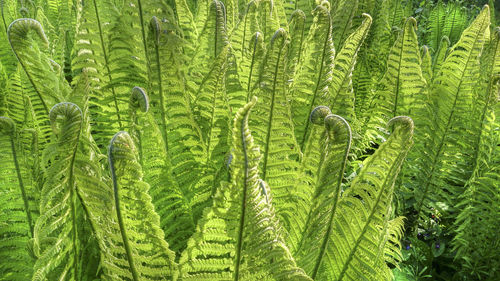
(362, 212)
(56, 240)
(170, 203)
(317, 231)
(474, 226)
(314, 74)
(342, 15)
(308, 178)
(49, 88)
(435, 25)
(238, 238)
(341, 86)
(437, 170)
(185, 21)
(426, 64)
(242, 37)
(401, 85)
(211, 41)
(273, 128)
(455, 22)
(297, 30)
(16, 222)
(270, 18)
(147, 252)
(182, 137)
(211, 109)
(440, 56)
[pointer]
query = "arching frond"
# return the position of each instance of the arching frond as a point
(273, 128)
(342, 102)
(317, 232)
(56, 238)
(362, 212)
(148, 254)
(170, 203)
(437, 172)
(238, 237)
(314, 73)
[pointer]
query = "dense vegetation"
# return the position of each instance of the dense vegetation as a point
(249, 140)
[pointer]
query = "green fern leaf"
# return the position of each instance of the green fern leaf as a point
(16, 222)
(342, 15)
(297, 30)
(273, 128)
(402, 84)
(148, 255)
(48, 86)
(435, 25)
(362, 212)
(56, 240)
(341, 86)
(426, 64)
(452, 95)
(211, 41)
(170, 203)
(316, 235)
(238, 237)
(440, 55)
(314, 74)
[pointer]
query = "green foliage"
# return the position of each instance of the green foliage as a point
(249, 140)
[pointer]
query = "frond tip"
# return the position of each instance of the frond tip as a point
(19, 29)
(7, 126)
(139, 99)
(319, 114)
(403, 121)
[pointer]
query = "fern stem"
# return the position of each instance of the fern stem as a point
(271, 113)
(3, 16)
(251, 65)
(106, 60)
(160, 89)
(74, 233)
(123, 231)
(141, 17)
(399, 75)
(243, 206)
(21, 185)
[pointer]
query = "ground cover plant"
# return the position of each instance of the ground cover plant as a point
(249, 140)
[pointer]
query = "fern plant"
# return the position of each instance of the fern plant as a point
(233, 140)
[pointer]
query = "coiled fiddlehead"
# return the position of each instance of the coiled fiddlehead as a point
(139, 99)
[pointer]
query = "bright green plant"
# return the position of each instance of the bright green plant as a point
(226, 140)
